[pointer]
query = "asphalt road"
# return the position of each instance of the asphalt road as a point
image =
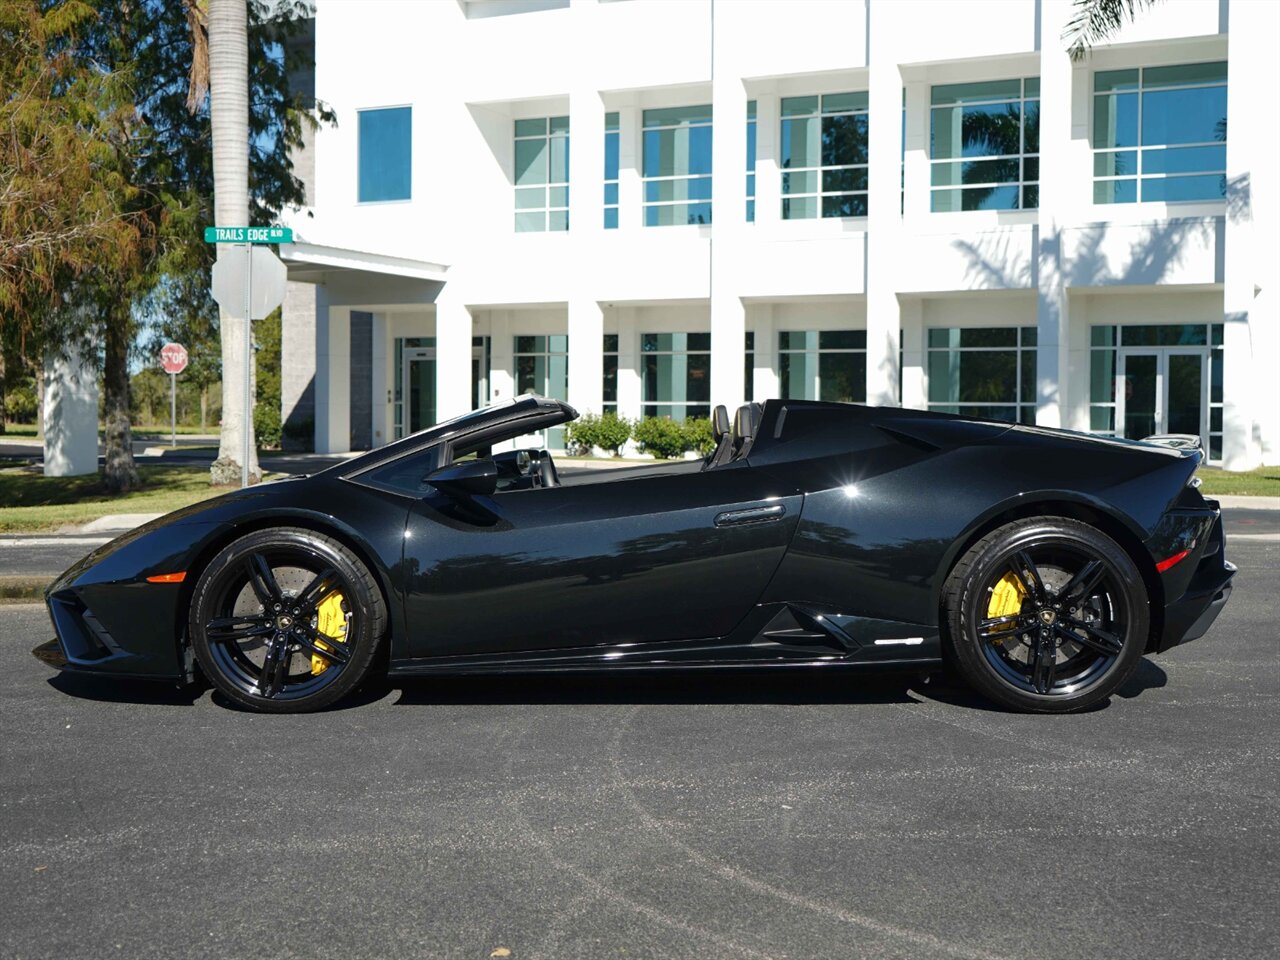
(678, 816)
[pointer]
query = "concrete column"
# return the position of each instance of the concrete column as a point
(765, 384)
(586, 166)
(630, 188)
(586, 360)
(915, 161)
(884, 220)
(70, 415)
(298, 363)
(768, 160)
(453, 359)
(381, 357)
(333, 381)
(728, 170)
(629, 373)
(1052, 343)
(913, 354)
(1245, 320)
(502, 372)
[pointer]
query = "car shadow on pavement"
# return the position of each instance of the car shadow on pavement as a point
(661, 687)
(116, 690)
(657, 687)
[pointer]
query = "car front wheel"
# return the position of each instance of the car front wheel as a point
(286, 620)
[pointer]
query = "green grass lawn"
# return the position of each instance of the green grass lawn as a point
(1262, 482)
(29, 501)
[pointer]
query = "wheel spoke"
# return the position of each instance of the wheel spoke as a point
(337, 652)
(263, 580)
(275, 666)
(1024, 568)
(324, 584)
(1103, 641)
(998, 626)
(1044, 660)
(1086, 581)
(237, 629)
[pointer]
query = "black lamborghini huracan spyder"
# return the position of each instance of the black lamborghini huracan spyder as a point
(1039, 564)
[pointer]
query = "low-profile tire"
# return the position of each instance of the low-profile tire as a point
(1071, 615)
(255, 619)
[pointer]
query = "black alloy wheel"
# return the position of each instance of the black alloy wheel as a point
(1048, 615)
(286, 620)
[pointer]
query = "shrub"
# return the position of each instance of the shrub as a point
(266, 425)
(582, 433)
(660, 436)
(699, 436)
(612, 432)
(608, 432)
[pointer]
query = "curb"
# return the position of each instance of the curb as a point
(1246, 503)
(24, 588)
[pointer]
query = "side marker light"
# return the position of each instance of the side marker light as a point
(1177, 558)
(168, 577)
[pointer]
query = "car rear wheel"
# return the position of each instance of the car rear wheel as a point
(1047, 615)
(286, 620)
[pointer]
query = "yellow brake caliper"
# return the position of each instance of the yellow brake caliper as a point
(1006, 601)
(331, 623)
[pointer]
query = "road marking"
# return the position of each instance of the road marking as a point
(1267, 537)
(53, 541)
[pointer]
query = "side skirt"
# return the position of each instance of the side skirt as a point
(793, 634)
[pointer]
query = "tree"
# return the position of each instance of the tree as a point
(228, 53)
(73, 224)
(1096, 20)
(168, 158)
(256, 120)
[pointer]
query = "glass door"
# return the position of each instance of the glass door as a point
(1139, 394)
(1162, 391)
(1185, 393)
(420, 388)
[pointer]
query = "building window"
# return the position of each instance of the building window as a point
(542, 367)
(824, 156)
(983, 372)
(611, 145)
(1160, 133)
(823, 365)
(542, 174)
(676, 375)
(1172, 377)
(751, 161)
(984, 146)
(385, 154)
(749, 368)
(677, 166)
(609, 392)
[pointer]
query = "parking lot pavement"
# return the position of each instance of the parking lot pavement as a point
(682, 815)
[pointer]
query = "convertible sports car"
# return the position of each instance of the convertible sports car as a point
(1039, 564)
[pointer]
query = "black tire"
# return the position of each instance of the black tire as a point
(1051, 581)
(254, 620)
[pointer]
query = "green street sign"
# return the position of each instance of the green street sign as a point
(248, 235)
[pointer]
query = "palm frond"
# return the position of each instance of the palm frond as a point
(1096, 20)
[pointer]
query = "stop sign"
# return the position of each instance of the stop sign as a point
(173, 357)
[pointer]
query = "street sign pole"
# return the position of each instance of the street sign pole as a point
(258, 302)
(173, 358)
(247, 426)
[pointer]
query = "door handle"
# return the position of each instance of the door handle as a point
(741, 518)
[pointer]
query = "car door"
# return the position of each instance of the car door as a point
(676, 555)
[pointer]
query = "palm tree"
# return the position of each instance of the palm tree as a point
(226, 22)
(1097, 20)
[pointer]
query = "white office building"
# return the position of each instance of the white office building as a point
(655, 206)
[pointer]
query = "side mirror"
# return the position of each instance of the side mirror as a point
(467, 478)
